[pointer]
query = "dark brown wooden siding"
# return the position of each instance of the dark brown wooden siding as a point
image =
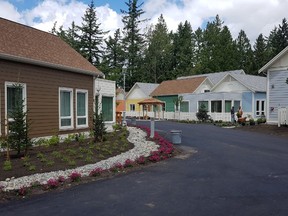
(42, 95)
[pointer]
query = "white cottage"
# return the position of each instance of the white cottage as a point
(229, 88)
(277, 88)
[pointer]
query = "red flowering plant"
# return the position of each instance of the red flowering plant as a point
(165, 150)
(61, 179)
(128, 163)
(52, 183)
(141, 160)
(22, 191)
(117, 167)
(75, 176)
(96, 172)
(155, 156)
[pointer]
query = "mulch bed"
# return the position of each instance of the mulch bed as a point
(266, 129)
(64, 156)
(116, 143)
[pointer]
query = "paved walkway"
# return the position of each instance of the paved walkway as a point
(232, 173)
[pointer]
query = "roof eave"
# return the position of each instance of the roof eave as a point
(49, 65)
(273, 60)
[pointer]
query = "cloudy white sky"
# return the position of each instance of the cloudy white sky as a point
(253, 16)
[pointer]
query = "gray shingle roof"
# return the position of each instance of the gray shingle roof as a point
(254, 83)
(147, 88)
(215, 77)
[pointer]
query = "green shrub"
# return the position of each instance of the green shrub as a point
(50, 163)
(261, 120)
(80, 137)
(32, 168)
(7, 165)
(56, 154)
(54, 140)
(202, 114)
(251, 121)
(18, 138)
(71, 162)
(99, 128)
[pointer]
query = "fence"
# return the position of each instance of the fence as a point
(282, 116)
(181, 115)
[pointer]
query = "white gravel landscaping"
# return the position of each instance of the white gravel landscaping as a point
(142, 147)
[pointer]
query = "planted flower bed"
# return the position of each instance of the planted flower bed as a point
(161, 149)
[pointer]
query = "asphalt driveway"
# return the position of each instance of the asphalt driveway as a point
(233, 173)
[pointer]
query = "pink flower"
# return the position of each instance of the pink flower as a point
(52, 183)
(75, 176)
(96, 172)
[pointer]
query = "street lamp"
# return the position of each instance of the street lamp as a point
(124, 70)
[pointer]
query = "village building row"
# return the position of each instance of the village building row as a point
(59, 87)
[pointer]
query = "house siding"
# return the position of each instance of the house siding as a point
(278, 94)
(169, 102)
(247, 101)
(209, 96)
(43, 95)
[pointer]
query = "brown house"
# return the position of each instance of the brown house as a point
(57, 82)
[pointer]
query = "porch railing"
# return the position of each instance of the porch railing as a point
(182, 115)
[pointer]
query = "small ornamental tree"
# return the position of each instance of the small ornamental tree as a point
(202, 114)
(99, 128)
(18, 126)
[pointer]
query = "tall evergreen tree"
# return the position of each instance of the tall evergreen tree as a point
(260, 53)
(183, 50)
(133, 40)
(198, 42)
(244, 52)
(278, 39)
(113, 58)
(217, 48)
(91, 36)
(70, 36)
(157, 60)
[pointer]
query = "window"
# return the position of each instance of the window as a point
(236, 105)
(15, 93)
(184, 106)
(260, 108)
(66, 108)
(132, 107)
(228, 106)
(203, 103)
(107, 108)
(216, 106)
(164, 107)
(82, 108)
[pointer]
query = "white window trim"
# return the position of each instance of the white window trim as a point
(71, 107)
(113, 101)
(24, 96)
(260, 107)
(86, 108)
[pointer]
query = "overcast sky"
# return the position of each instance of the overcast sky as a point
(253, 16)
